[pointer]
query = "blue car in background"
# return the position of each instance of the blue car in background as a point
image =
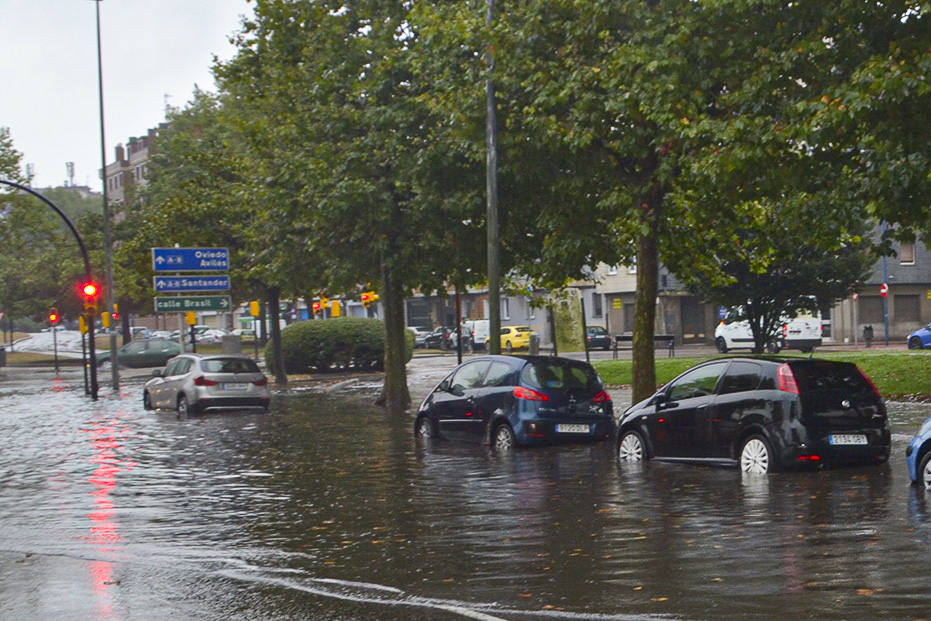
(918, 456)
(920, 338)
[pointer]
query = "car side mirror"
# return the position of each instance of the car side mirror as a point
(457, 390)
(661, 400)
(443, 387)
(157, 373)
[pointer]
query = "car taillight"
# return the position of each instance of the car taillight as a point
(261, 382)
(870, 382)
(200, 380)
(787, 381)
(529, 394)
(601, 397)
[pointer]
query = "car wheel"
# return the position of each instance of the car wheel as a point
(630, 447)
(924, 471)
(721, 344)
(146, 401)
(914, 343)
(508, 347)
(503, 438)
(423, 428)
(773, 348)
(755, 456)
(184, 407)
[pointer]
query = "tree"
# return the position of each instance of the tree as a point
(330, 96)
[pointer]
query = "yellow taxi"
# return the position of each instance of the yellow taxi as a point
(515, 337)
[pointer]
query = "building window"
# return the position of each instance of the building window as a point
(632, 268)
(871, 309)
(906, 309)
(597, 309)
(505, 308)
(907, 254)
(612, 271)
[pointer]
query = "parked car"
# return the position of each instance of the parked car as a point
(246, 335)
(597, 337)
(764, 414)
(920, 338)
(514, 337)
(420, 336)
(803, 332)
(193, 383)
(518, 400)
(211, 335)
(142, 353)
(445, 338)
(918, 456)
(480, 331)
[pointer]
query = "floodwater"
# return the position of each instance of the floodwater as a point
(326, 508)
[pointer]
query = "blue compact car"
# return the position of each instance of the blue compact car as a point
(918, 456)
(920, 338)
(518, 400)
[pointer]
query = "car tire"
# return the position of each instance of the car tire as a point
(502, 438)
(147, 401)
(924, 471)
(756, 456)
(914, 343)
(184, 408)
(721, 344)
(773, 348)
(424, 429)
(508, 347)
(630, 447)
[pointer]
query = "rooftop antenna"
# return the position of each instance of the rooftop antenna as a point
(69, 167)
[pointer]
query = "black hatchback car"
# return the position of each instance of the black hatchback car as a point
(518, 400)
(764, 414)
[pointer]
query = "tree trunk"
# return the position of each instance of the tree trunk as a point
(281, 377)
(395, 396)
(644, 363)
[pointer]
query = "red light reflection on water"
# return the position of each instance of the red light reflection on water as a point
(108, 456)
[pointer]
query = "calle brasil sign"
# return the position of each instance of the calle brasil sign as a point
(185, 303)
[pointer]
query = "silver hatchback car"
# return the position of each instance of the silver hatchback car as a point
(192, 383)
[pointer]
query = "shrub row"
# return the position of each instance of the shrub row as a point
(331, 345)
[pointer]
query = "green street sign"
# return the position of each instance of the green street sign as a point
(185, 303)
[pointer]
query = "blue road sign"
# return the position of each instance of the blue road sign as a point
(190, 259)
(183, 284)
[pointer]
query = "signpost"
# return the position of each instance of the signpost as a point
(190, 259)
(184, 284)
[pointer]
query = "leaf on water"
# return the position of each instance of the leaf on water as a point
(524, 595)
(865, 592)
(659, 599)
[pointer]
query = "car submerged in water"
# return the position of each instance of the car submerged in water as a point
(509, 401)
(764, 414)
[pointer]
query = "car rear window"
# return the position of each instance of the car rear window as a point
(559, 375)
(524, 330)
(812, 376)
(229, 365)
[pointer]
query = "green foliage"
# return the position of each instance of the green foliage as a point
(333, 345)
(567, 314)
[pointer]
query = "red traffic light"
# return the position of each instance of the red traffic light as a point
(90, 290)
(53, 316)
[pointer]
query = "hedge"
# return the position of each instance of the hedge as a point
(331, 345)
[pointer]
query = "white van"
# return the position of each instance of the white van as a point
(480, 332)
(803, 332)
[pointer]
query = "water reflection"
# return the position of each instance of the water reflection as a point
(327, 508)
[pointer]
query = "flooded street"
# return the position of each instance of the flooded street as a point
(326, 508)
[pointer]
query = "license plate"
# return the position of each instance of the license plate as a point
(848, 439)
(234, 386)
(572, 428)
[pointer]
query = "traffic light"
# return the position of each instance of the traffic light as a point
(105, 319)
(367, 298)
(115, 315)
(254, 308)
(53, 317)
(317, 307)
(91, 293)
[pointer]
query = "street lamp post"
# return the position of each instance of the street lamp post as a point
(107, 234)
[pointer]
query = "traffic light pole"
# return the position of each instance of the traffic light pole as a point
(87, 270)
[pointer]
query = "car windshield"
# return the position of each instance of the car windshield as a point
(562, 376)
(229, 365)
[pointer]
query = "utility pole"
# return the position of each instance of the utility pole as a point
(107, 234)
(491, 188)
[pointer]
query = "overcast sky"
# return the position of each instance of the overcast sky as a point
(48, 72)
